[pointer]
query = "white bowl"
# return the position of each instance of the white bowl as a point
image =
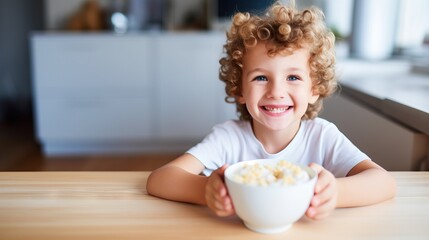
(273, 208)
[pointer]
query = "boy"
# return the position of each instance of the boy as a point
(277, 69)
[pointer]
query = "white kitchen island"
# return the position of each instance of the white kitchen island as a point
(106, 93)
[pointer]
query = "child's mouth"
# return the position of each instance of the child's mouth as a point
(276, 110)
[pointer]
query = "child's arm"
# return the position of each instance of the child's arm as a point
(179, 180)
(367, 183)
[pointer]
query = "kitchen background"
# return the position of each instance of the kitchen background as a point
(183, 37)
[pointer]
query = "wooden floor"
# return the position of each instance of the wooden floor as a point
(20, 152)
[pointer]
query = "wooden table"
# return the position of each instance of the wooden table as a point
(115, 205)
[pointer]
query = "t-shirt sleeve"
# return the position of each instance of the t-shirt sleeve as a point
(341, 155)
(211, 150)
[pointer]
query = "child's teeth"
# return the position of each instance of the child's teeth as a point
(275, 110)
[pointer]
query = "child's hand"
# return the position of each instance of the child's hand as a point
(325, 194)
(216, 194)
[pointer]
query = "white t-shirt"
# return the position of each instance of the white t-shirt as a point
(317, 141)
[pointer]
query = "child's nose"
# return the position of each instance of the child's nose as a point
(276, 90)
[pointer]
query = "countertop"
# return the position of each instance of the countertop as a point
(390, 87)
(115, 205)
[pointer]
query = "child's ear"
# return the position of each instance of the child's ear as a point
(314, 96)
(240, 99)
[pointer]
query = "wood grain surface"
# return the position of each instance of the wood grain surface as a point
(115, 205)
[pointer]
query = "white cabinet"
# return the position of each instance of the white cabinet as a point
(108, 93)
(92, 88)
(188, 91)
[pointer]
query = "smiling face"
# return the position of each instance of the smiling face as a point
(276, 89)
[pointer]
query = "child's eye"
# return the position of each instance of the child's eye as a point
(260, 78)
(292, 78)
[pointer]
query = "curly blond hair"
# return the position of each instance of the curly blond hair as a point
(286, 29)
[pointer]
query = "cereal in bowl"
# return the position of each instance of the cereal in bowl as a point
(282, 173)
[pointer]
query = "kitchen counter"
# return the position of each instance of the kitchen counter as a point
(390, 88)
(383, 108)
(115, 205)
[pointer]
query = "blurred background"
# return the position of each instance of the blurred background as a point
(131, 84)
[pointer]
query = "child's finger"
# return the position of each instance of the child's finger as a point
(319, 170)
(315, 214)
(219, 205)
(324, 178)
(321, 211)
(323, 182)
(215, 204)
(323, 196)
(221, 171)
(316, 167)
(223, 208)
(217, 193)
